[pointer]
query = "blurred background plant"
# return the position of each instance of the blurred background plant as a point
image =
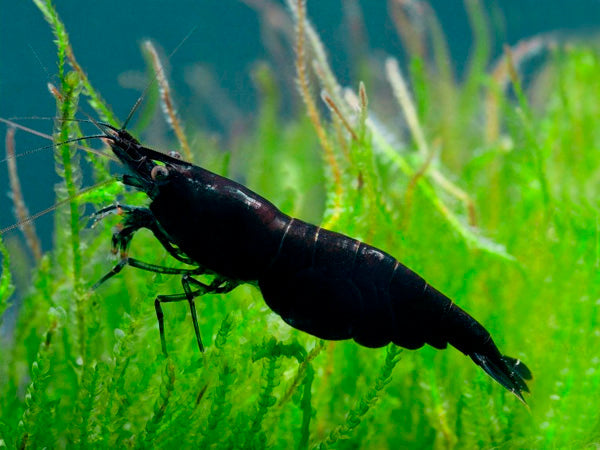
(484, 182)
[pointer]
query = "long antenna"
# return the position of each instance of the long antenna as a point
(56, 205)
(54, 119)
(151, 83)
(47, 136)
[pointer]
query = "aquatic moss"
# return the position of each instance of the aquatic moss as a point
(6, 286)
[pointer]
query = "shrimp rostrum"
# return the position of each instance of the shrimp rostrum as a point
(319, 281)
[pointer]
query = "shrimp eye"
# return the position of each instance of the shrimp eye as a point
(174, 154)
(159, 173)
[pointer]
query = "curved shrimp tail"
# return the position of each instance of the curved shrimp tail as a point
(449, 324)
(509, 372)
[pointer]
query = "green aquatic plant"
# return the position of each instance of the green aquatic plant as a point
(489, 190)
